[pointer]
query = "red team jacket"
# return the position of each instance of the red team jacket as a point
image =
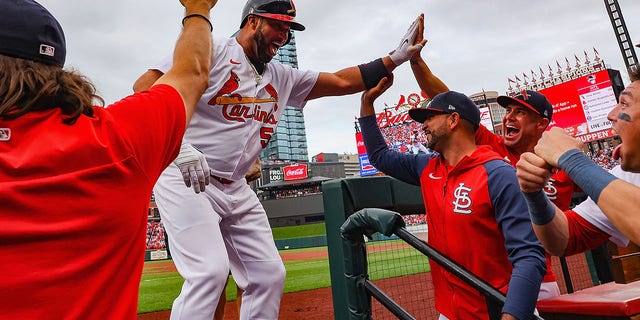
(559, 190)
(477, 216)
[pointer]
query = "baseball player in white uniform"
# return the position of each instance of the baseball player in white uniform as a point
(224, 226)
(590, 211)
(415, 145)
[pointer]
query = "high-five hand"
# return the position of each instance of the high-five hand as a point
(411, 43)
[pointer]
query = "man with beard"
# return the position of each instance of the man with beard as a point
(527, 116)
(224, 226)
(475, 211)
(610, 212)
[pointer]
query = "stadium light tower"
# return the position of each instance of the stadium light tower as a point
(621, 32)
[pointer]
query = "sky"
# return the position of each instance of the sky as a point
(474, 45)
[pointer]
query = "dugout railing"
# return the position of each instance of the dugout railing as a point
(344, 197)
(366, 222)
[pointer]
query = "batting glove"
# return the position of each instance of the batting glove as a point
(194, 167)
(406, 49)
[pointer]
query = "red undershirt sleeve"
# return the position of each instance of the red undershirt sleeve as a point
(583, 235)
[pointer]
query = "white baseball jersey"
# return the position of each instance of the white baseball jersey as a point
(241, 108)
(590, 211)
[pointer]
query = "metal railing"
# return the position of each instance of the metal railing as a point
(360, 289)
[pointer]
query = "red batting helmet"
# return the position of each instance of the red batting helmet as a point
(283, 10)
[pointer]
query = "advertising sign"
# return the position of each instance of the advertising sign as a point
(581, 105)
(295, 172)
(366, 169)
(485, 118)
(275, 174)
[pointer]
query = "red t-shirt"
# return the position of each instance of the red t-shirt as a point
(73, 205)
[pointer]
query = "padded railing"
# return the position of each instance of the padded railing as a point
(341, 199)
(366, 222)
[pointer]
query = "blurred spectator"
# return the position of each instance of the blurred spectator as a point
(400, 137)
(604, 158)
(290, 193)
(155, 235)
(415, 219)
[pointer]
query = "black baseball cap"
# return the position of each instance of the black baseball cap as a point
(29, 31)
(282, 10)
(449, 102)
(532, 100)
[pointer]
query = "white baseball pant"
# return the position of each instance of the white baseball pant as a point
(225, 227)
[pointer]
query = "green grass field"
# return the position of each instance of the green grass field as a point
(308, 230)
(158, 291)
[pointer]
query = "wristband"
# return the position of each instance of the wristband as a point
(541, 210)
(199, 16)
(585, 173)
(373, 72)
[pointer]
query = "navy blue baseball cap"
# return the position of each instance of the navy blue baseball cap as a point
(29, 31)
(531, 100)
(449, 102)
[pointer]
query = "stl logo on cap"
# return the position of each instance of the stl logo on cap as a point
(524, 95)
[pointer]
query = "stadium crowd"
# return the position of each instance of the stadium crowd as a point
(399, 137)
(289, 193)
(415, 219)
(604, 158)
(155, 235)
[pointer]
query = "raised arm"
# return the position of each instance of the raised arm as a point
(428, 82)
(370, 96)
(366, 76)
(189, 74)
(392, 163)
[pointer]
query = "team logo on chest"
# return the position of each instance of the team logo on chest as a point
(550, 190)
(239, 108)
(462, 203)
